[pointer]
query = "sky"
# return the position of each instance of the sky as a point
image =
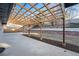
(40, 5)
(74, 11)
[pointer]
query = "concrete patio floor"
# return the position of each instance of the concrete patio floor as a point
(25, 46)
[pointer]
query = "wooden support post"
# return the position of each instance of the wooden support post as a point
(40, 32)
(23, 29)
(63, 11)
(29, 30)
(63, 43)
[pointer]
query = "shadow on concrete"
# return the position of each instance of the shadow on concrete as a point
(68, 46)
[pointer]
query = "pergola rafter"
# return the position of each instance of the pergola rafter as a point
(19, 17)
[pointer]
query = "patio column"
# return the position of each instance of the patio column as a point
(63, 11)
(40, 25)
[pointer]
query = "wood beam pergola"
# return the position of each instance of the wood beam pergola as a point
(63, 11)
(17, 18)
